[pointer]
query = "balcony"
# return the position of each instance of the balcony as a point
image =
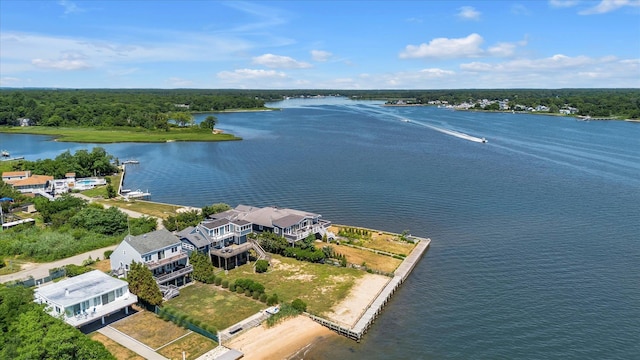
(161, 279)
(104, 310)
(154, 264)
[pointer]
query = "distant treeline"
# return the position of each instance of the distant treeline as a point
(152, 108)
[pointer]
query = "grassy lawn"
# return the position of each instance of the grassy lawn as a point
(149, 329)
(194, 345)
(371, 260)
(12, 265)
(144, 207)
(117, 350)
(115, 135)
(102, 265)
(382, 241)
(214, 306)
(320, 286)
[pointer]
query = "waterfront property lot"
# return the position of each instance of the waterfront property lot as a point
(193, 345)
(383, 241)
(149, 329)
(371, 260)
(120, 352)
(320, 286)
(213, 305)
(144, 207)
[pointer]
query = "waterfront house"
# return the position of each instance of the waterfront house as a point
(293, 225)
(224, 240)
(160, 251)
(37, 184)
(86, 298)
(15, 175)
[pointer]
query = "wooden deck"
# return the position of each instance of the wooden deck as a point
(375, 308)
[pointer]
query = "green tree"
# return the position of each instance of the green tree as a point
(209, 122)
(214, 209)
(142, 284)
(182, 118)
(202, 267)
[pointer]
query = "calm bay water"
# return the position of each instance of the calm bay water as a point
(535, 247)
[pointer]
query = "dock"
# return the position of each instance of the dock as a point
(375, 307)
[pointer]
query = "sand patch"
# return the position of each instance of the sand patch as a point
(280, 341)
(361, 295)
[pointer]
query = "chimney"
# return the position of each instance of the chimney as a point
(66, 292)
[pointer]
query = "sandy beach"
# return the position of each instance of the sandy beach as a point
(294, 335)
(280, 341)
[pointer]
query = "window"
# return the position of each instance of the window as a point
(119, 292)
(147, 258)
(174, 249)
(96, 301)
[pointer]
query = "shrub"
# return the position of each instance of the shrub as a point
(239, 289)
(225, 283)
(248, 292)
(263, 298)
(75, 270)
(107, 254)
(218, 281)
(255, 295)
(262, 266)
(299, 305)
(232, 287)
(272, 300)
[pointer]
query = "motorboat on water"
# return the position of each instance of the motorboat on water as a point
(484, 141)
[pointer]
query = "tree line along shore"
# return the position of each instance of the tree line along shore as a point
(172, 110)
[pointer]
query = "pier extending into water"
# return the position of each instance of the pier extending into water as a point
(375, 307)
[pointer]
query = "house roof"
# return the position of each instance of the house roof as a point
(153, 241)
(32, 180)
(80, 288)
(194, 237)
(288, 220)
(270, 216)
(16, 173)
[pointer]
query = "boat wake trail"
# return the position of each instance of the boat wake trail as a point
(457, 134)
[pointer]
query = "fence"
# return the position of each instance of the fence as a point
(185, 323)
(53, 274)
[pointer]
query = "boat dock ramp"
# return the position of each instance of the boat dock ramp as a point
(375, 307)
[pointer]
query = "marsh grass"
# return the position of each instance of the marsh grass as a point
(116, 135)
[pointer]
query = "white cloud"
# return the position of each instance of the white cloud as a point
(250, 74)
(69, 7)
(66, 63)
(280, 62)
(606, 6)
(467, 47)
(9, 81)
(563, 3)
(519, 9)
(468, 13)
(320, 55)
(52, 51)
(179, 82)
(445, 48)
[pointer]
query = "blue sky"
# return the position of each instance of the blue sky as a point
(320, 44)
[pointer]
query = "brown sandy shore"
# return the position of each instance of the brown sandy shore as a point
(294, 335)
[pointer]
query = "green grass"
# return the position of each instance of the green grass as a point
(123, 134)
(194, 345)
(144, 207)
(320, 286)
(214, 306)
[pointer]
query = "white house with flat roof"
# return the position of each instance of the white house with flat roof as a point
(86, 298)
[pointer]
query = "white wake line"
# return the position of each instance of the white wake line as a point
(454, 133)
